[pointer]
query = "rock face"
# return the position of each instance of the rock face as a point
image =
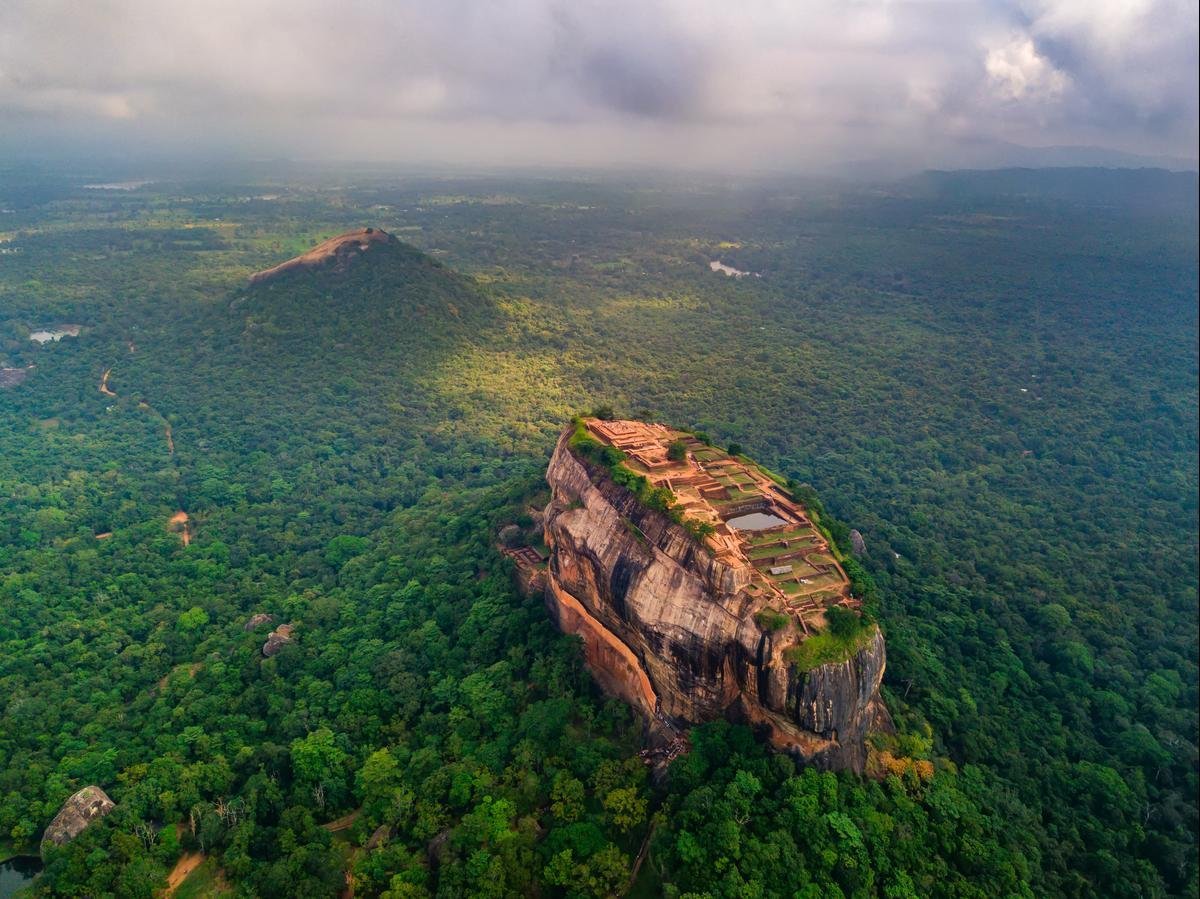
(857, 543)
(671, 630)
(86, 806)
(277, 639)
(335, 253)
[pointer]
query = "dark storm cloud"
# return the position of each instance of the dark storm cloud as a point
(687, 81)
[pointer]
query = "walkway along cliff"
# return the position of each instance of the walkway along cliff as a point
(701, 589)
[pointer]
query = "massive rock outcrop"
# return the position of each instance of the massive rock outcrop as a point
(86, 806)
(674, 629)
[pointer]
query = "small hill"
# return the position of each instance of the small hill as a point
(363, 289)
(357, 332)
(334, 254)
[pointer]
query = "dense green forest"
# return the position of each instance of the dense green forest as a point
(994, 378)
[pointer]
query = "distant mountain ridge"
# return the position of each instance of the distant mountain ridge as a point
(1089, 185)
(982, 155)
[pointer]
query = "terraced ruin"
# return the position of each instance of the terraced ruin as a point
(756, 522)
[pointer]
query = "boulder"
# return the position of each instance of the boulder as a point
(277, 639)
(88, 805)
(857, 544)
(257, 621)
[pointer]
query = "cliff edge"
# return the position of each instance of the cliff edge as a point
(701, 589)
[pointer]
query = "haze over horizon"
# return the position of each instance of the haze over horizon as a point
(805, 87)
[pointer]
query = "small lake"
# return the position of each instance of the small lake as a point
(18, 872)
(755, 521)
(48, 335)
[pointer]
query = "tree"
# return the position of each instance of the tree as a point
(607, 871)
(626, 808)
(317, 759)
(566, 797)
(193, 619)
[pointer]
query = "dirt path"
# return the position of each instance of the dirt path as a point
(188, 862)
(146, 407)
(342, 823)
(104, 383)
(179, 522)
(641, 857)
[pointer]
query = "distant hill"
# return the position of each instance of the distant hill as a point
(1145, 188)
(983, 155)
(365, 289)
(335, 253)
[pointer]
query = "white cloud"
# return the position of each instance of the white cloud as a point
(1017, 72)
(774, 79)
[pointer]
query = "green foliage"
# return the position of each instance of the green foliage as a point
(625, 807)
(829, 647)
(344, 547)
(999, 390)
(193, 619)
(843, 623)
(746, 823)
(770, 620)
(677, 451)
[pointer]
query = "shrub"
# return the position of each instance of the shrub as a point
(770, 620)
(699, 529)
(827, 648)
(843, 623)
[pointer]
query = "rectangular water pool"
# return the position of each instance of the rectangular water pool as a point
(755, 521)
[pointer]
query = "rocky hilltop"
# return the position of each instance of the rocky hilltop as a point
(702, 589)
(335, 253)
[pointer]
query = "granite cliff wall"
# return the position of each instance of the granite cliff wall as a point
(669, 629)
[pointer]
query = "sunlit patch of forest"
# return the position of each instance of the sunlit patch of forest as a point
(996, 386)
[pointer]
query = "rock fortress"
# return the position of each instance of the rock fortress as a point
(702, 588)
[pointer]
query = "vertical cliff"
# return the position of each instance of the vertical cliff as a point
(671, 622)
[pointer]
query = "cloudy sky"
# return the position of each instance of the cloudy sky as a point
(712, 83)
